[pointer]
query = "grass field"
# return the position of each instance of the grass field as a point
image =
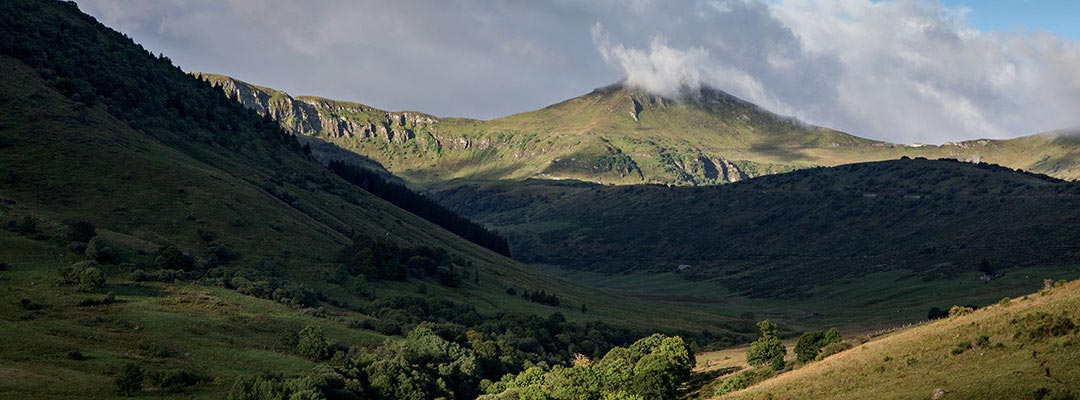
(1019, 358)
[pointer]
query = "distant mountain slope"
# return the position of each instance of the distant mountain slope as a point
(1027, 351)
(781, 235)
(619, 135)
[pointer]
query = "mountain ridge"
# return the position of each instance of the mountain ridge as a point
(617, 134)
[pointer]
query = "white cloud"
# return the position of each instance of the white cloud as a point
(902, 70)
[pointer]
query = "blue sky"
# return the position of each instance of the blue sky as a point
(1061, 17)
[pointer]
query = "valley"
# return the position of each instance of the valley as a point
(176, 234)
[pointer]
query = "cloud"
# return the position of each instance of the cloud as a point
(905, 70)
(897, 70)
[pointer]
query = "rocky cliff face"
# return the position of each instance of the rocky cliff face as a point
(329, 119)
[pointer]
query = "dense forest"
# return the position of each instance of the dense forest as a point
(401, 196)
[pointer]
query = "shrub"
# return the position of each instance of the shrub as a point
(90, 302)
(1005, 302)
(27, 225)
(312, 343)
(811, 343)
(833, 349)
(173, 258)
(75, 355)
(100, 250)
(957, 311)
(936, 313)
(4, 266)
(961, 347)
(174, 380)
(80, 231)
(742, 381)
(220, 254)
(129, 379)
(156, 350)
(983, 341)
(29, 305)
(85, 275)
(1040, 325)
(77, 247)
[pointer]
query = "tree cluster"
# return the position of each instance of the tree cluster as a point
(652, 368)
(381, 259)
(810, 344)
(92, 64)
(401, 196)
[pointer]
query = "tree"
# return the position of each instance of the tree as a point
(129, 379)
(173, 258)
(985, 267)
(936, 313)
(313, 344)
(100, 250)
(767, 349)
(811, 343)
(81, 231)
(807, 348)
(85, 275)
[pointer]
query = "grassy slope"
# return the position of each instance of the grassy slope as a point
(131, 184)
(218, 332)
(595, 137)
(920, 360)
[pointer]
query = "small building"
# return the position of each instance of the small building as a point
(682, 268)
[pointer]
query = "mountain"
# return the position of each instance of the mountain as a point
(1020, 348)
(618, 135)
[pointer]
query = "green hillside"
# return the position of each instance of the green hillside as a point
(618, 135)
(151, 221)
(1024, 348)
(875, 241)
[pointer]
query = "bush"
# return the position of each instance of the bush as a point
(172, 258)
(742, 381)
(1040, 325)
(85, 275)
(957, 311)
(936, 313)
(312, 343)
(833, 349)
(811, 343)
(156, 350)
(1005, 302)
(77, 248)
(100, 250)
(961, 347)
(80, 231)
(174, 380)
(27, 225)
(129, 379)
(90, 302)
